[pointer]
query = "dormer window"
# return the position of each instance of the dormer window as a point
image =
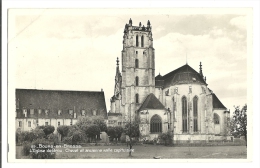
(32, 111)
(94, 112)
(25, 112)
(39, 111)
(59, 112)
(70, 112)
(190, 89)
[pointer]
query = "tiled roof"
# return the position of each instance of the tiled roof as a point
(217, 103)
(184, 74)
(151, 102)
(54, 100)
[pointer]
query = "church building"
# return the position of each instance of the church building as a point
(179, 102)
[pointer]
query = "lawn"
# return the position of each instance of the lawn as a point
(150, 151)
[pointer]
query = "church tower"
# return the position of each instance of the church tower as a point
(138, 68)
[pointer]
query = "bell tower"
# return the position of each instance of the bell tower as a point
(138, 68)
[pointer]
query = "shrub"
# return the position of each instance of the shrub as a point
(67, 140)
(63, 131)
(26, 148)
(48, 129)
(46, 148)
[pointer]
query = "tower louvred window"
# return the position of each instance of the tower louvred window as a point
(142, 41)
(137, 43)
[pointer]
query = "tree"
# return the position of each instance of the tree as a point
(118, 132)
(63, 130)
(132, 130)
(48, 129)
(93, 131)
(111, 132)
(239, 122)
(115, 132)
(76, 134)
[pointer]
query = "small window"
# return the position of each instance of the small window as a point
(32, 111)
(176, 90)
(39, 111)
(119, 123)
(137, 81)
(136, 52)
(70, 122)
(29, 123)
(216, 118)
(20, 123)
(58, 123)
(46, 123)
(136, 63)
(190, 89)
(137, 98)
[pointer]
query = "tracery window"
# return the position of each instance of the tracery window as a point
(184, 115)
(156, 124)
(195, 114)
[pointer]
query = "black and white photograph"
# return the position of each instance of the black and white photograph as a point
(167, 83)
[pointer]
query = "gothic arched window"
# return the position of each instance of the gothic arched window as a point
(137, 98)
(156, 124)
(137, 81)
(216, 118)
(136, 63)
(142, 41)
(195, 114)
(136, 41)
(184, 114)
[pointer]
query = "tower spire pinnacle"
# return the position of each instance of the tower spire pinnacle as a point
(201, 70)
(117, 61)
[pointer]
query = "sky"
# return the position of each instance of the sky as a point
(66, 49)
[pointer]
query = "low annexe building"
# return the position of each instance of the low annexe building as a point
(56, 107)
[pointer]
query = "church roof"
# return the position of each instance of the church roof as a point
(64, 100)
(151, 102)
(184, 74)
(217, 103)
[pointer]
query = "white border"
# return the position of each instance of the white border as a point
(134, 4)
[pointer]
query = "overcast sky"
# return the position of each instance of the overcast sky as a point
(77, 49)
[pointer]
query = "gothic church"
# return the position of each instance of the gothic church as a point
(179, 102)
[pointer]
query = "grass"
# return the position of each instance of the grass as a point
(151, 151)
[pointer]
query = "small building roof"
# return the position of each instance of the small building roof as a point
(217, 103)
(151, 102)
